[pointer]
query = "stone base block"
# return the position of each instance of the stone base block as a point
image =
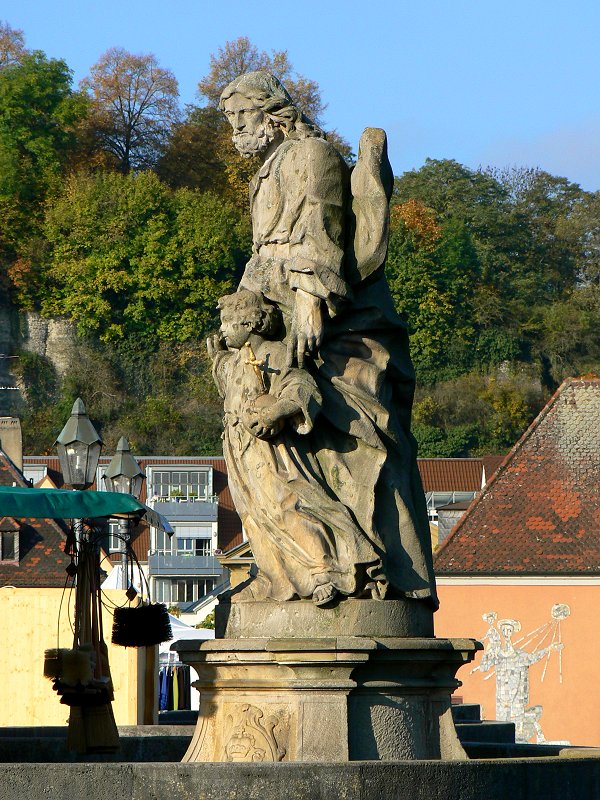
(326, 699)
(364, 617)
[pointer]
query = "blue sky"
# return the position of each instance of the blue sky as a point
(486, 83)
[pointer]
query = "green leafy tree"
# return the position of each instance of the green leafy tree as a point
(476, 413)
(536, 239)
(432, 269)
(131, 257)
(39, 113)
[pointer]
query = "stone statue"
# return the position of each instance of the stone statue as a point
(314, 367)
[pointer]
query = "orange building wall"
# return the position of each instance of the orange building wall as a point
(571, 709)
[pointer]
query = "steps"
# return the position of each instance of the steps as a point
(471, 729)
(493, 739)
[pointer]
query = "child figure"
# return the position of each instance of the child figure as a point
(304, 541)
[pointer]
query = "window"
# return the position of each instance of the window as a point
(194, 547)
(9, 546)
(182, 590)
(190, 540)
(163, 543)
(115, 543)
(193, 540)
(183, 485)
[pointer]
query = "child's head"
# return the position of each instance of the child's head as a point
(244, 313)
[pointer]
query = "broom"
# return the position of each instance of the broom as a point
(92, 727)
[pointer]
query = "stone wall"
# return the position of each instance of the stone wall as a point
(518, 779)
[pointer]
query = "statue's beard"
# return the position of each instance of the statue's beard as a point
(251, 144)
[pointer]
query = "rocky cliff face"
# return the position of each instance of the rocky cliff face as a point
(51, 339)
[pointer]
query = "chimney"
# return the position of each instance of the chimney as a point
(11, 440)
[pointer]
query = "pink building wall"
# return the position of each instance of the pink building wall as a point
(565, 682)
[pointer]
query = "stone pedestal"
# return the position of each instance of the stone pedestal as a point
(328, 698)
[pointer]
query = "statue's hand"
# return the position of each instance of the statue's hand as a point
(214, 344)
(307, 327)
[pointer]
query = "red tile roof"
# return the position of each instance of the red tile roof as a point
(451, 474)
(42, 560)
(540, 513)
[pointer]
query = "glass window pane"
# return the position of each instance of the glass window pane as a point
(203, 547)
(185, 484)
(161, 595)
(163, 544)
(8, 551)
(185, 546)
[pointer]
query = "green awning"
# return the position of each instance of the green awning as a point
(23, 502)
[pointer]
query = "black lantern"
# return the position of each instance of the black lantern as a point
(79, 446)
(123, 474)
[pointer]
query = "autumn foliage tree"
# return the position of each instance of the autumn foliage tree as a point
(12, 45)
(135, 103)
(192, 156)
(199, 152)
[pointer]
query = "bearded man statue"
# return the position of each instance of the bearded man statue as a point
(319, 248)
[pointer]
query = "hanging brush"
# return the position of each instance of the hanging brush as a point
(69, 666)
(144, 625)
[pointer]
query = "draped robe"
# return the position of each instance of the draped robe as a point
(360, 444)
(301, 536)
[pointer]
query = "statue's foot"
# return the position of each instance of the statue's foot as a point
(324, 594)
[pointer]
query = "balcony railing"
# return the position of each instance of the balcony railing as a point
(186, 508)
(183, 498)
(184, 565)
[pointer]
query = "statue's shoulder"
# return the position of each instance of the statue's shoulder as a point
(312, 150)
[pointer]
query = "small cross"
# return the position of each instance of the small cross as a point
(262, 366)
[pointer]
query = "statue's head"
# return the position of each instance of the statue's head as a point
(261, 111)
(245, 312)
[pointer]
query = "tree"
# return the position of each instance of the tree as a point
(536, 238)
(241, 56)
(174, 409)
(130, 257)
(476, 413)
(12, 45)
(39, 114)
(135, 102)
(193, 154)
(432, 269)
